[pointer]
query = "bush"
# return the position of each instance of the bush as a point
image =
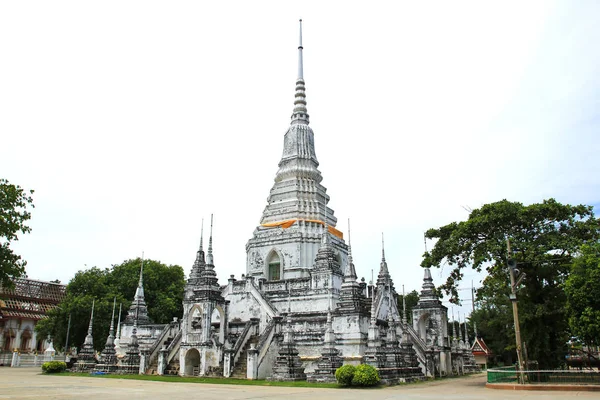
(365, 375)
(52, 367)
(344, 374)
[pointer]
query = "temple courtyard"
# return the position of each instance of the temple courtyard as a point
(29, 383)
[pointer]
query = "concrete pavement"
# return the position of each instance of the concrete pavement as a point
(29, 383)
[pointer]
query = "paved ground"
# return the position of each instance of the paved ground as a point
(28, 383)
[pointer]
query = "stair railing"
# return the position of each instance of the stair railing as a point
(157, 345)
(266, 338)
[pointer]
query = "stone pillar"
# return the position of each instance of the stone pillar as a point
(227, 360)
(203, 361)
(143, 357)
(162, 361)
(16, 344)
(15, 359)
(252, 364)
(181, 362)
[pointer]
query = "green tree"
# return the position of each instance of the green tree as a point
(583, 295)
(544, 239)
(163, 292)
(14, 214)
(412, 299)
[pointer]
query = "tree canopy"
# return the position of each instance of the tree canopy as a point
(163, 291)
(14, 214)
(544, 237)
(412, 299)
(583, 295)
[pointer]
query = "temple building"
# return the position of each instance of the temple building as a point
(299, 311)
(21, 307)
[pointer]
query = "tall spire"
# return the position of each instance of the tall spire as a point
(201, 236)
(300, 114)
(383, 268)
(350, 273)
(138, 311)
(300, 62)
(119, 322)
(111, 330)
(139, 293)
(91, 320)
(209, 256)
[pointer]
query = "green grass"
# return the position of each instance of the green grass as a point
(219, 381)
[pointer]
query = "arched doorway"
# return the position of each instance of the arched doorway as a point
(192, 363)
(273, 266)
(26, 340)
(422, 326)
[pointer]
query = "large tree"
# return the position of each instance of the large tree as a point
(583, 295)
(163, 291)
(544, 238)
(14, 214)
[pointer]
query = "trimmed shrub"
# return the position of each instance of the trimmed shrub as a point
(344, 374)
(365, 375)
(52, 367)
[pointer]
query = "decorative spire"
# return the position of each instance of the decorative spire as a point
(300, 114)
(119, 323)
(428, 288)
(453, 325)
(209, 256)
(201, 236)
(466, 332)
(300, 62)
(138, 310)
(139, 293)
(404, 318)
(111, 330)
(91, 319)
(383, 278)
(350, 272)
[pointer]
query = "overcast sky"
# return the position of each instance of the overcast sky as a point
(132, 120)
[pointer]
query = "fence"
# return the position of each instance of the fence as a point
(576, 377)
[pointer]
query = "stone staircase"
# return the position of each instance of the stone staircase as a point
(173, 367)
(240, 368)
(153, 367)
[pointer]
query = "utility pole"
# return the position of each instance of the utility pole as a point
(514, 282)
(67, 341)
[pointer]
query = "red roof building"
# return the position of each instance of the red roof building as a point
(20, 309)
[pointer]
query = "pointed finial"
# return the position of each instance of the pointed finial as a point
(202, 235)
(300, 114)
(382, 248)
(91, 317)
(300, 66)
(404, 318)
(119, 323)
(141, 282)
(112, 319)
(209, 256)
(425, 241)
(349, 244)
